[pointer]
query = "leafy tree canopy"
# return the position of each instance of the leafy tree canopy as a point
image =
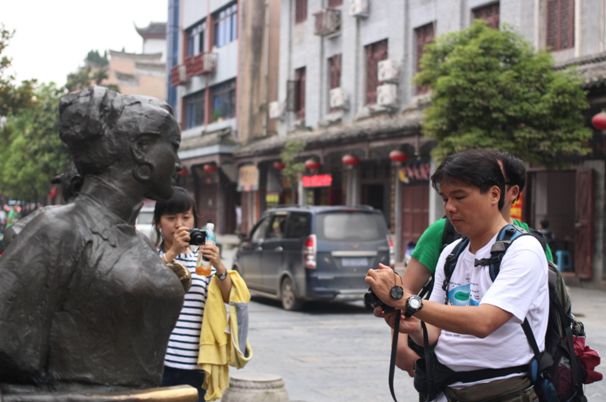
(32, 153)
(13, 96)
(492, 90)
(94, 57)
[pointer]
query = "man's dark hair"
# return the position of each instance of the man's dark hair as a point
(475, 167)
(545, 224)
(180, 202)
(514, 169)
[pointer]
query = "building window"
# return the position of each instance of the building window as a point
(300, 11)
(224, 100)
(196, 39)
(375, 52)
(560, 24)
(226, 25)
(300, 93)
(423, 35)
(334, 68)
(194, 109)
(334, 3)
(489, 13)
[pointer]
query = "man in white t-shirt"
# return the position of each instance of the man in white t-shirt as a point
(476, 323)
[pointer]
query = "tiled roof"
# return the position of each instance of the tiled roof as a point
(155, 30)
(591, 67)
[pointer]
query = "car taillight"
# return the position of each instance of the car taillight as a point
(309, 252)
(392, 255)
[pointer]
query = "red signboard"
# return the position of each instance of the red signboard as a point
(319, 180)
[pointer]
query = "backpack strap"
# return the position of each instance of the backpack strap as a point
(451, 262)
(450, 234)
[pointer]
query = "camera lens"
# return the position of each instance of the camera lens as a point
(197, 237)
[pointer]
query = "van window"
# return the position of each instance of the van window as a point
(276, 229)
(350, 226)
(297, 225)
(260, 231)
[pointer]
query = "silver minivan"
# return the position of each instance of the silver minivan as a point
(296, 254)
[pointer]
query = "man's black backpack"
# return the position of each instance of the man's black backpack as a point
(557, 373)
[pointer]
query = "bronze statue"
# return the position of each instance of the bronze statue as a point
(86, 304)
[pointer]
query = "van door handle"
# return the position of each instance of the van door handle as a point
(278, 249)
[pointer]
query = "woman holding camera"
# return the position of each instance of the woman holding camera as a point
(173, 220)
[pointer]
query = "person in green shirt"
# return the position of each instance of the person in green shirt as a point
(424, 258)
(13, 217)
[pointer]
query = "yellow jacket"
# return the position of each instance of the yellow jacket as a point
(218, 345)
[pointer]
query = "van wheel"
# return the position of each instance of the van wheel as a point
(290, 301)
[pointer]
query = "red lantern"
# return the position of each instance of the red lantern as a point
(279, 165)
(599, 121)
(312, 164)
(350, 160)
(398, 156)
(210, 168)
(183, 172)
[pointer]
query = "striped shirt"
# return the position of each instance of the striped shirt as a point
(184, 342)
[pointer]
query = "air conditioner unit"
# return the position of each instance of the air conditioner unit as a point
(209, 60)
(328, 22)
(178, 75)
(338, 99)
(387, 71)
(182, 74)
(358, 8)
(387, 95)
(276, 110)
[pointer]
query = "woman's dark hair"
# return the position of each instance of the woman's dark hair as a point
(475, 167)
(180, 202)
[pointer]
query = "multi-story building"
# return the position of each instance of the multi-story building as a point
(219, 64)
(141, 73)
(344, 87)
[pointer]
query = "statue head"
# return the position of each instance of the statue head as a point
(124, 137)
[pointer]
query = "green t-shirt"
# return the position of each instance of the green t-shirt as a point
(428, 248)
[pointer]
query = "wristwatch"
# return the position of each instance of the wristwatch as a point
(414, 304)
(222, 276)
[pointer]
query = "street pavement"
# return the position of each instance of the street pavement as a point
(332, 352)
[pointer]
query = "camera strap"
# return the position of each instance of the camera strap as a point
(394, 351)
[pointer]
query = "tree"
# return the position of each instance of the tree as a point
(32, 153)
(93, 73)
(492, 90)
(292, 169)
(13, 96)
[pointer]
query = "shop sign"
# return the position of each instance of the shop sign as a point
(516, 209)
(248, 178)
(416, 172)
(318, 180)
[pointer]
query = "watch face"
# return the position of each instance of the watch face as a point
(414, 303)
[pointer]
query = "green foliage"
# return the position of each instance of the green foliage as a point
(94, 57)
(292, 169)
(492, 90)
(13, 96)
(32, 153)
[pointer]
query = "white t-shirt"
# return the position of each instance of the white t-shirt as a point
(520, 289)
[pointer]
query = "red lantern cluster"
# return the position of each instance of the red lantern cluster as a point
(398, 156)
(599, 121)
(350, 160)
(183, 172)
(210, 168)
(279, 165)
(312, 164)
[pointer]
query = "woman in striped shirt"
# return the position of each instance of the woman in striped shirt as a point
(172, 220)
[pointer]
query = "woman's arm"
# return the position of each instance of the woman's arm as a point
(211, 252)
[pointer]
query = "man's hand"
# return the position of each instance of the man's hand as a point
(381, 281)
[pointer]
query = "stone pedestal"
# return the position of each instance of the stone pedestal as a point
(255, 387)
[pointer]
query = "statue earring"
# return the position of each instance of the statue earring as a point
(143, 172)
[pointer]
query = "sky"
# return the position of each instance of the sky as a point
(52, 37)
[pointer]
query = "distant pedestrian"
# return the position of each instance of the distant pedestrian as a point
(548, 235)
(13, 216)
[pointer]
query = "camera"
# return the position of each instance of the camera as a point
(197, 237)
(370, 298)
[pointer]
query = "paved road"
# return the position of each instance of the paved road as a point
(340, 352)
